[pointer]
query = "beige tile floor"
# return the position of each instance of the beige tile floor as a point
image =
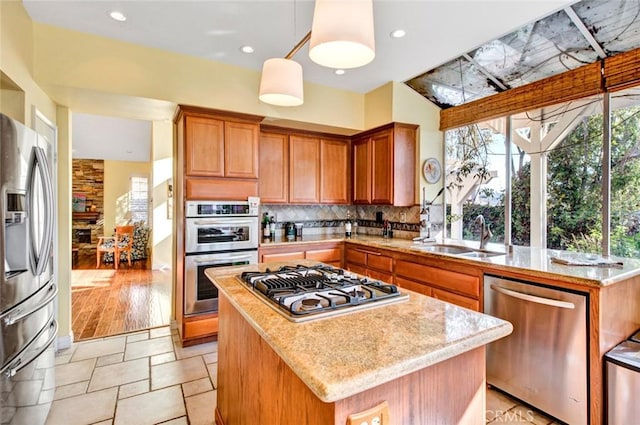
(147, 378)
(137, 378)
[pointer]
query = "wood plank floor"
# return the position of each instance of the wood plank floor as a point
(108, 302)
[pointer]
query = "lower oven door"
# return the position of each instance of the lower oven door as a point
(201, 295)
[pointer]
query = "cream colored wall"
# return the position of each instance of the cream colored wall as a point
(411, 107)
(12, 104)
(68, 59)
(379, 106)
(16, 62)
(162, 154)
(116, 190)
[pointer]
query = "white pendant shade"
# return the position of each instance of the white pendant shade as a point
(342, 34)
(281, 82)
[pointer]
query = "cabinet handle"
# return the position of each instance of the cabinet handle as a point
(369, 252)
(532, 298)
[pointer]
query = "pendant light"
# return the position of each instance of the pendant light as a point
(342, 34)
(282, 83)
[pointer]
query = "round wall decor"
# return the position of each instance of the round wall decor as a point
(431, 170)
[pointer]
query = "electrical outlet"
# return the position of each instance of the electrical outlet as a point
(378, 415)
(403, 217)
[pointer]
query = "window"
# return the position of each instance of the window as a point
(139, 199)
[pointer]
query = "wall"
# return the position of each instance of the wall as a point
(88, 180)
(162, 154)
(16, 63)
(116, 190)
(69, 60)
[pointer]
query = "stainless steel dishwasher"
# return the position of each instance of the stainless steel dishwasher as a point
(544, 361)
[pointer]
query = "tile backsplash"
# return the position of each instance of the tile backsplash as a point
(329, 219)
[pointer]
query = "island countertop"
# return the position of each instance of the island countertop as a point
(339, 356)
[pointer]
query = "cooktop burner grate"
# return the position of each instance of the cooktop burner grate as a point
(302, 292)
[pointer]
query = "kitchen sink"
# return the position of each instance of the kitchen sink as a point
(481, 254)
(458, 250)
(444, 249)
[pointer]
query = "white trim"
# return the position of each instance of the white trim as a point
(64, 342)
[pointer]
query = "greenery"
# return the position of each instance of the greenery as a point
(574, 187)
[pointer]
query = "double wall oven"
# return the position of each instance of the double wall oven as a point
(218, 234)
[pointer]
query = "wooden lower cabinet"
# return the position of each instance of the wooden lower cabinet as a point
(255, 386)
(446, 285)
(199, 329)
(370, 262)
(326, 252)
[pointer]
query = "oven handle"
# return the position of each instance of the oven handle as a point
(532, 298)
(226, 259)
(224, 222)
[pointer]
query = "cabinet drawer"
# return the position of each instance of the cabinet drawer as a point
(324, 255)
(456, 299)
(411, 285)
(380, 262)
(378, 275)
(356, 256)
(446, 279)
(200, 328)
(284, 256)
(356, 268)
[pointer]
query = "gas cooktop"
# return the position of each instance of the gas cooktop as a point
(309, 292)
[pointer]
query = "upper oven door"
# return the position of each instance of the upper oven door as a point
(215, 234)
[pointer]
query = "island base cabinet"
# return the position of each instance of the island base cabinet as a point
(255, 386)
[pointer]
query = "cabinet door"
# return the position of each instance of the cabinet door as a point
(361, 171)
(411, 285)
(304, 170)
(274, 168)
(382, 168)
(334, 164)
(204, 147)
(456, 299)
(241, 150)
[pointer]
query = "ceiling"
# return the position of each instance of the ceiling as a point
(579, 34)
(436, 32)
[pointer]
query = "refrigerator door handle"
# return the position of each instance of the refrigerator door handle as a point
(41, 257)
(12, 316)
(15, 366)
(532, 298)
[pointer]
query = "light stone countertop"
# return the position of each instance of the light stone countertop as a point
(535, 262)
(339, 356)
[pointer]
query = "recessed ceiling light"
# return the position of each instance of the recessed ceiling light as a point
(339, 71)
(246, 49)
(117, 16)
(398, 33)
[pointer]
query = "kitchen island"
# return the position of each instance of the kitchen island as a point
(423, 357)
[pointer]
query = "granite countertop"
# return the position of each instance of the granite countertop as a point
(535, 262)
(339, 356)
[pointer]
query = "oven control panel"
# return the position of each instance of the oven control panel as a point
(220, 208)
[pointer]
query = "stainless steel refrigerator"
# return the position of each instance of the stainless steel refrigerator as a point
(27, 288)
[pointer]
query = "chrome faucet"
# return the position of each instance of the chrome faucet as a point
(485, 232)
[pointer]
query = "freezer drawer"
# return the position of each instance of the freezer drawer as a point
(623, 383)
(544, 361)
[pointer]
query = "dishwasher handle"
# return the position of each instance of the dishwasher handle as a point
(532, 298)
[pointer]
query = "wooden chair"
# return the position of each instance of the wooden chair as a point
(121, 242)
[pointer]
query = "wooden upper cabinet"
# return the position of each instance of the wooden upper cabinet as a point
(240, 150)
(219, 145)
(361, 171)
(304, 169)
(204, 147)
(384, 166)
(273, 186)
(334, 175)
